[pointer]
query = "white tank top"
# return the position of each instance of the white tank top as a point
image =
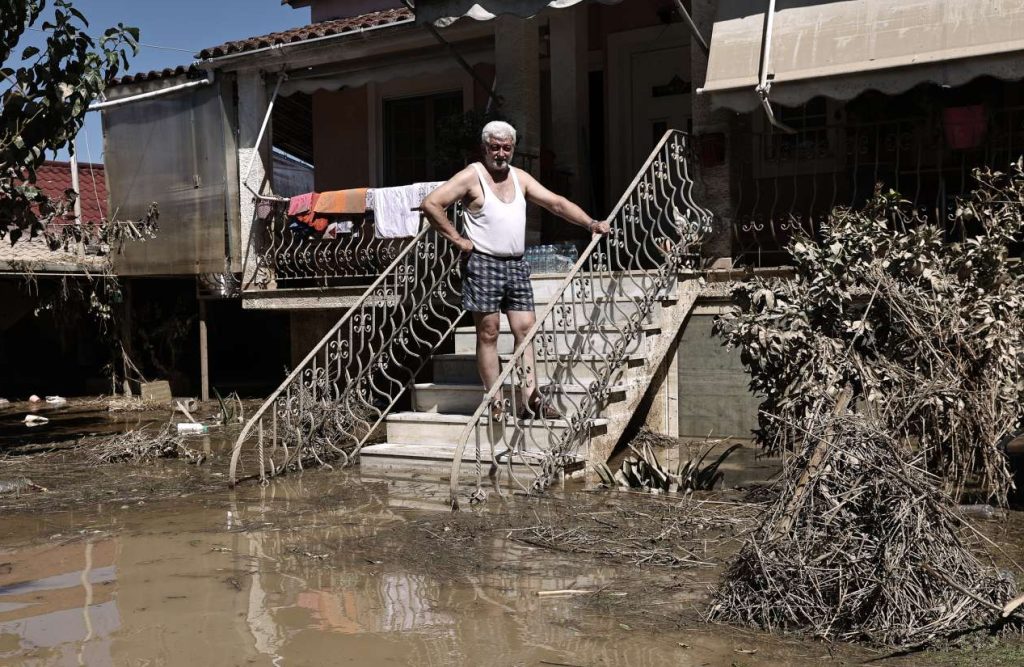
(498, 228)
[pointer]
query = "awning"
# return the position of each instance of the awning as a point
(360, 74)
(840, 48)
(443, 12)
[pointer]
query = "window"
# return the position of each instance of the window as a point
(411, 141)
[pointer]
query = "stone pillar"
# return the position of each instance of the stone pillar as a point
(253, 99)
(715, 188)
(569, 99)
(517, 72)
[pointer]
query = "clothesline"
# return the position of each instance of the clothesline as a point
(394, 211)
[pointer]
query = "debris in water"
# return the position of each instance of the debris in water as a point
(56, 400)
(192, 427)
(141, 445)
(34, 399)
(35, 420)
(19, 484)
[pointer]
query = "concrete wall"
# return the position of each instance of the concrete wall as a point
(713, 394)
(341, 150)
(307, 328)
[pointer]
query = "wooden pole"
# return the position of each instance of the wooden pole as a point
(813, 463)
(204, 361)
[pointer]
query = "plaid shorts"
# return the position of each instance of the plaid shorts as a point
(491, 284)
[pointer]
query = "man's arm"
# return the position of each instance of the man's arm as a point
(434, 205)
(558, 205)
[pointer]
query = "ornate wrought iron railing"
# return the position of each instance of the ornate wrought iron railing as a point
(788, 183)
(292, 254)
(591, 327)
(335, 399)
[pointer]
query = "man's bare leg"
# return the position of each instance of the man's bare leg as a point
(520, 322)
(487, 325)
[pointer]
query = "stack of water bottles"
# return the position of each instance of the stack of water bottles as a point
(552, 258)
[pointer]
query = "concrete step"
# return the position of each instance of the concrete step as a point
(595, 340)
(461, 369)
(464, 399)
(438, 429)
(430, 462)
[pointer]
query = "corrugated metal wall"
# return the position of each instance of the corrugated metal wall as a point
(179, 151)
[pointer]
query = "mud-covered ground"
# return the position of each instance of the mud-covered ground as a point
(161, 563)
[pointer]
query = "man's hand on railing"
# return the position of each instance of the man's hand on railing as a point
(464, 245)
(599, 227)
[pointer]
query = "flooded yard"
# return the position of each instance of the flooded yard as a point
(162, 564)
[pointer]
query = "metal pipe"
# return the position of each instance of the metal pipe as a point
(99, 106)
(693, 27)
(74, 182)
(764, 86)
(259, 137)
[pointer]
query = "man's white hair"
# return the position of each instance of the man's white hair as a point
(498, 129)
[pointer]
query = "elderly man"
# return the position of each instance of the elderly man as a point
(496, 279)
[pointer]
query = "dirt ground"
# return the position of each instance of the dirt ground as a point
(160, 563)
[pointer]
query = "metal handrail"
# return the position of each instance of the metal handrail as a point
(418, 321)
(641, 252)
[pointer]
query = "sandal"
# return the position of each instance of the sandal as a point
(539, 408)
(497, 409)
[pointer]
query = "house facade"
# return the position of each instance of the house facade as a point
(795, 107)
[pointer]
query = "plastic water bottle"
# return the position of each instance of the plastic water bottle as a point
(189, 427)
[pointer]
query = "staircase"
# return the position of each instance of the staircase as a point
(603, 333)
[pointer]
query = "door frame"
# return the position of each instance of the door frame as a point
(621, 47)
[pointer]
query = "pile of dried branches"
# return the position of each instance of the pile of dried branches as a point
(861, 545)
(140, 446)
(924, 320)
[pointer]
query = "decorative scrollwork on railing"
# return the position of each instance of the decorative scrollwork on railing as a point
(292, 254)
(542, 409)
(329, 406)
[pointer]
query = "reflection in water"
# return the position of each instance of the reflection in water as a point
(272, 577)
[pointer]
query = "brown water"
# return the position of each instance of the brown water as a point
(163, 565)
(300, 574)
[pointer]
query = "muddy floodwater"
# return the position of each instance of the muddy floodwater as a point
(162, 564)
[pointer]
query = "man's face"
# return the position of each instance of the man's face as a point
(498, 153)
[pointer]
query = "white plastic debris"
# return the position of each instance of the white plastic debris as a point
(3, 402)
(34, 399)
(189, 427)
(35, 420)
(56, 400)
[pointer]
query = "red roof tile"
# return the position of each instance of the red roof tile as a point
(311, 31)
(191, 71)
(54, 178)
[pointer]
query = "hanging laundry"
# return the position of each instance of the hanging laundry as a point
(311, 217)
(395, 210)
(342, 202)
(300, 204)
(339, 227)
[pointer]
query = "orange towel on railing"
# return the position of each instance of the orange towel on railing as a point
(342, 202)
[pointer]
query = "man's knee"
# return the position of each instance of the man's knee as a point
(487, 331)
(521, 322)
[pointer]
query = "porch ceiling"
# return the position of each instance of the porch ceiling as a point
(840, 48)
